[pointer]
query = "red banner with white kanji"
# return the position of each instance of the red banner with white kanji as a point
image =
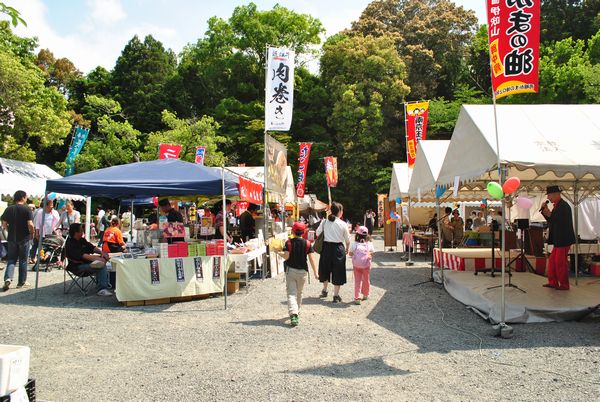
(514, 39)
(169, 151)
(303, 155)
(251, 191)
(331, 170)
(416, 127)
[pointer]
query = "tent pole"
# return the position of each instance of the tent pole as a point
(131, 223)
(439, 226)
(225, 217)
(576, 205)
(409, 262)
(265, 208)
(88, 216)
(38, 263)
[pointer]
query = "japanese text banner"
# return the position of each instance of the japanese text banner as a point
(303, 155)
(514, 40)
(251, 191)
(331, 171)
(79, 138)
(416, 128)
(279, 96)
(200, 155)
(169, 151)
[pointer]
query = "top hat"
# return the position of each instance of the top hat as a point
(553, 189)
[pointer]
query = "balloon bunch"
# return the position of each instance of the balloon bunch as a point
(495, 190)
(484, 203)
(394, 217)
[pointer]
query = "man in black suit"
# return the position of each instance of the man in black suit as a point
(561, 235)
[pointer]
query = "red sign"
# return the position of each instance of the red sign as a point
(251, 191)
(168, 151)
(416, 128)
(241, 207)
(303, 154)
(514, 39)
(200, 155)
(331, 171)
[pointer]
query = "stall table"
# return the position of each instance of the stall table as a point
(241, 262)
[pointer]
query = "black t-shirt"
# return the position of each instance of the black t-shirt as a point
(247, 224)
(298, 249)
(75, 249)
(17, 216)
(174, 216)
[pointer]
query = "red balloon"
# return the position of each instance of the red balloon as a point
(155, 201)
(482, 205)
(511, 185)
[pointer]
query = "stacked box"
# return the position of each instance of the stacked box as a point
(192, 250)
(201, 249)
(164, 250)
(182, 249)
(173, 251)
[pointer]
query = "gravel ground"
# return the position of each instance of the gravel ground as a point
(405, 343)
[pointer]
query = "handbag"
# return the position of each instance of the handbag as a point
(318, 245)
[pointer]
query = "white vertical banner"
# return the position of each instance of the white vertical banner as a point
(279, 94)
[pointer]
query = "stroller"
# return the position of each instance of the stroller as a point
(52, 252)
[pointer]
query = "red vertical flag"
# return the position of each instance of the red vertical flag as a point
(303, 155)
(514, 39)
(169, 151)
(331, 171)
(416, 114)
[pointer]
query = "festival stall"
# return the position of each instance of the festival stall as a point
(535, 148)
(157, 269)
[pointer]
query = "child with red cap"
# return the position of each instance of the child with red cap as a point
(296, 252)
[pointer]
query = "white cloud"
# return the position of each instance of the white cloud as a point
(106, 11)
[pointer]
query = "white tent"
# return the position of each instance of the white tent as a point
(257, 173)
(400, 180)
(541, 144)
(29, 177)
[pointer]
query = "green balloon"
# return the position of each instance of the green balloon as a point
(495, 190)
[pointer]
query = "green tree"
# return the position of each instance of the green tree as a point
(189, 133)
(59, 73)
(364, 77)
(139, 80)
(562, 19)
(13, 14)
(432, 36)
(33, 117)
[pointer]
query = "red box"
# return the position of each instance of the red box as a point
(173, 250)
(182, 249)
(595, 268)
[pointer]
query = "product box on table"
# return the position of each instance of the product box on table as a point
(173, 251)
(182, 249)
(201, 249)
(192, 250)
(14, 367)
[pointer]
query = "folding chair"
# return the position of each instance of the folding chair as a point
(82, 280)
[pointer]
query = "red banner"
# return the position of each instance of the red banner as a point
(241, 207)
(303, 155)
(416, 128)
(251, 191)
(331, 171)
(169, 151)
(200, 155)
(514, 39)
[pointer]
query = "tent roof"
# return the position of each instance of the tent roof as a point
(158, 177)
(400, 179)
(430, 155)
(29, 177)
(257, 173)
(540, 143)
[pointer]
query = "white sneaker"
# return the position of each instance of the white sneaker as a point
(104, 292)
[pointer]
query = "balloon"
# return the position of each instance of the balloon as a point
(51, 196)
(484, 201)
(511, 185)
(391, 214)
(388, 221)
(482, 205)
(524, 202)
(155, 201)
(495, 190)
(398, 200)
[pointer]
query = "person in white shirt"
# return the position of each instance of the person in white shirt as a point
(336, 242)
(51, 221)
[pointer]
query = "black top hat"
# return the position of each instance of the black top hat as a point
(553, 189)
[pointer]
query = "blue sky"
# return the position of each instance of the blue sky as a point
(93, 32)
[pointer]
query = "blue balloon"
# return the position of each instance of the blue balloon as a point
(398, 200)
(51, 196)
(391, 214)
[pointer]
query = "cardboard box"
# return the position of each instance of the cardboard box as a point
(173, 251)
(201, 249)
(233, 287)
(182, 249)
(192, 250)
(14, 367)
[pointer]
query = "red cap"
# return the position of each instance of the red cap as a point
(298, 227)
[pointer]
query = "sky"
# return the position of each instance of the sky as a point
(93, 33)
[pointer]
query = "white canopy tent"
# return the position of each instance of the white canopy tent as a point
(400, 180)
(29, 177)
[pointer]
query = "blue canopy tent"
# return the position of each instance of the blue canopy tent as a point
(152, 178)
(138, 201)
(166, 177)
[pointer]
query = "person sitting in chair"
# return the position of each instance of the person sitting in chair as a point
(84, 257)
(113, 238)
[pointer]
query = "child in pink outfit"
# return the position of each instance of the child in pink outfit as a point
(361, 252)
